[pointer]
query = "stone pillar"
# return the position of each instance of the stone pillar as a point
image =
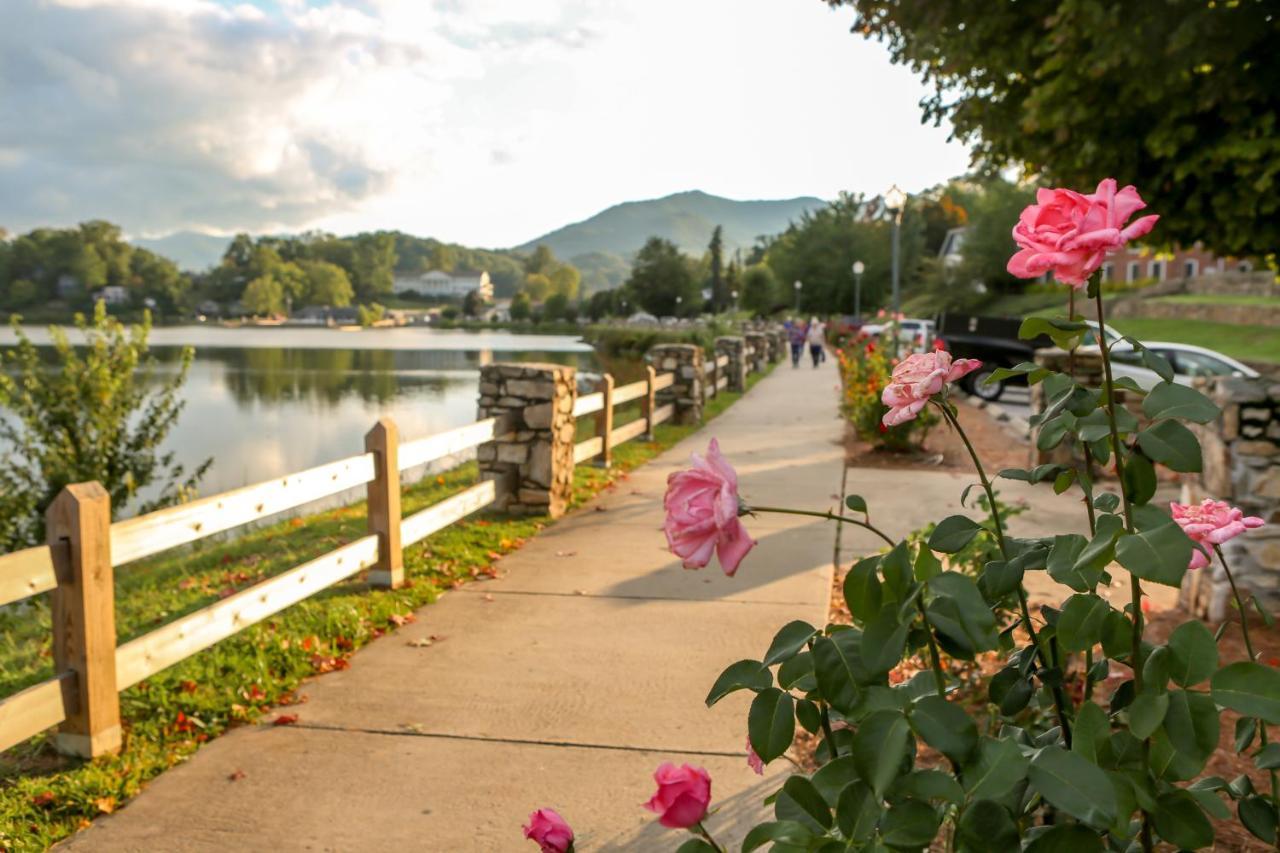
(1241, 465)
(533, 462)
(777, 345)
(688, 363)
(736, 349)
(760, 342)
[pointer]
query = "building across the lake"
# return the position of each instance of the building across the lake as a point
(439, 283)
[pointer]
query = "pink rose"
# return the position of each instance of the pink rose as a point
(1070, 234)
(682, 797)
(916, 379)
(1210, 523)
(550, 831)
(702, 513)
(754, 761)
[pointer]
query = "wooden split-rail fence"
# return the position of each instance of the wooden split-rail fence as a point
(85, 546)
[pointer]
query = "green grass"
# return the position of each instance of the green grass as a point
(1247, 343)
(45, 797)
(1218, 299)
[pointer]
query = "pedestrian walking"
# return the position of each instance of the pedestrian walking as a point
(796, 335)
(816, 335)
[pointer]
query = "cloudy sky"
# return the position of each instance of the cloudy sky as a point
(486, 122)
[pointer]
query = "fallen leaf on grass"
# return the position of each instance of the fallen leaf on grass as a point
(235, 776)
(292, 698)
(285, 720)
(189, 686)
(494, 555)
(106, 805)
(42, 800)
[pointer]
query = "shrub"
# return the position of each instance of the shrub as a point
(865, 368)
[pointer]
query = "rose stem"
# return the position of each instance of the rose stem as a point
(1059, 700)
(1135, 587)
(1087, 693)
(699, 829)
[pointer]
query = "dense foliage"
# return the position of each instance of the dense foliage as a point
(865, 368)
(1179, 96)
(662, 281)
(100, 413)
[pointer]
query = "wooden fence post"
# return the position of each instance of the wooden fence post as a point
(604, 421)
(715, 374)
(84, 618)
(383, 442)
(648, 401)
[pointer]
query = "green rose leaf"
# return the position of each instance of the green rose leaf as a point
(999, 578)
(696, 845)
(856, 503)
(833, 776)
(1159, 554)
(1191, 724)
(985, 827)
(1070, 783)
(857, 811)
(879, 748)
(1146, 713)
(909, 824)
(883, 641)
(1268, 758)
(1153, 361)
(1011, 690)
(1066, 334)
(961, 616)
(1172, 445)
(1180, 821)
(1090, 732)
(771, 723)
(743, 675)
(791, 639)
(1038, 474)
(1081, 621)
(785, 832)
(1139, 478)
(1169, 400)
(927, 564)
(928, 785)
(945, 727)
(837, 663)
(953, 533)
(896, 569)
(1070, 838)
(1061, 565)
(806, 800)
(999, 766)
(1250, 689)
(1194, 652)
(1033, 372)
(1259, 817)
(796, 668)
(862, 589)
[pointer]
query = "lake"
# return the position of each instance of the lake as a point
(268, 401)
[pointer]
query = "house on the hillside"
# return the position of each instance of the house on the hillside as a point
(112, 294)
(440, 284)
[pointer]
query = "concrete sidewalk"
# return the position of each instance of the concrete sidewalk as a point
(563, 684)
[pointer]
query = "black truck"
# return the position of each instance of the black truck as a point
(992, 340)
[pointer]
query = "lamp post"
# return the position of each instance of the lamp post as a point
(858, 269)
(896, 202)
(798, 286)
(733, 294)
(679, 300)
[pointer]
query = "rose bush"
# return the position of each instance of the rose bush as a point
(1047, 763)
(866, 366)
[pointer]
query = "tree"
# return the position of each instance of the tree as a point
(556, 307)
(101, 414)
(537, 286)
(732, 283)
(719, 296)
(542, 261)
(661, 279)
(263, 296)
(521, 306)
(760, 290)
(472, 304)
(1178, 97)
(326, 284)
(444, 257)
(565, 281)
(373, 263)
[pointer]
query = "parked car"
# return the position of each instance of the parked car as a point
(1189, 362)
(916, 333)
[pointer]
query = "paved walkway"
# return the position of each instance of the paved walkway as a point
(563, 683)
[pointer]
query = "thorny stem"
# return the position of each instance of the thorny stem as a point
(938, 676)
(1248, 645)
(829, 516)
(1059, 699)
(1135, 587)
(699, 829)
(1087, 693)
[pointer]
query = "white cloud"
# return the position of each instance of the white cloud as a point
(483, 121)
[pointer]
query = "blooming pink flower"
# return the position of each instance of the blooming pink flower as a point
(916, 379)
(754, 761)
(702, 513)
(682, 797)
(1210, 523)
(550, 831)
(1071, 233)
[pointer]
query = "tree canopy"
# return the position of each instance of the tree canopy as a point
(1178, 97)
(662, 281)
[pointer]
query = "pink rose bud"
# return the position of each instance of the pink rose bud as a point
(1210, 523)
(702, 513)
(550, 831)
(753, 760)
(682, 797)
(917, 379)
(1070, 234)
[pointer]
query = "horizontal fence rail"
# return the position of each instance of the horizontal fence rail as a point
(82, 698)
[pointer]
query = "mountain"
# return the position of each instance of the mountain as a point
(190, 250)
(686, 219)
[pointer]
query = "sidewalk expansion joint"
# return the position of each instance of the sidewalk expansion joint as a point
(473, 589)
(411, 732)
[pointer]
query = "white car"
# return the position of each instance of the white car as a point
(1188, 361)
(918, 334)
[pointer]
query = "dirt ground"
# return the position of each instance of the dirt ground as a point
(999, 449)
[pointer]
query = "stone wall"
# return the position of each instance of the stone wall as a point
(736, 370)
(759, 359)
(533, 463)
(1241, 453)
(777, 344)
(688, 363)
(1246, 315)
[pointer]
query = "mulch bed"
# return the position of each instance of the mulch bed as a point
(943, 450)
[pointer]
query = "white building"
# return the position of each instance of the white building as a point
(113, 294)
(442, 284)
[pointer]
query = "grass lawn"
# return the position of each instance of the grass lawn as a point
(1248, 343)
(1217, 299)
(45, 797)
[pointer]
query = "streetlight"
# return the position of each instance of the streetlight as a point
(734, 295)
(679, 299)
(896, 202)
(858, 269)
(798, 286)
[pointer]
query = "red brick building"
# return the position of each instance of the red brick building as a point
(1137, 263)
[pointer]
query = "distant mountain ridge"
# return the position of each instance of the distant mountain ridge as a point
(190, 250)
(685, 218)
